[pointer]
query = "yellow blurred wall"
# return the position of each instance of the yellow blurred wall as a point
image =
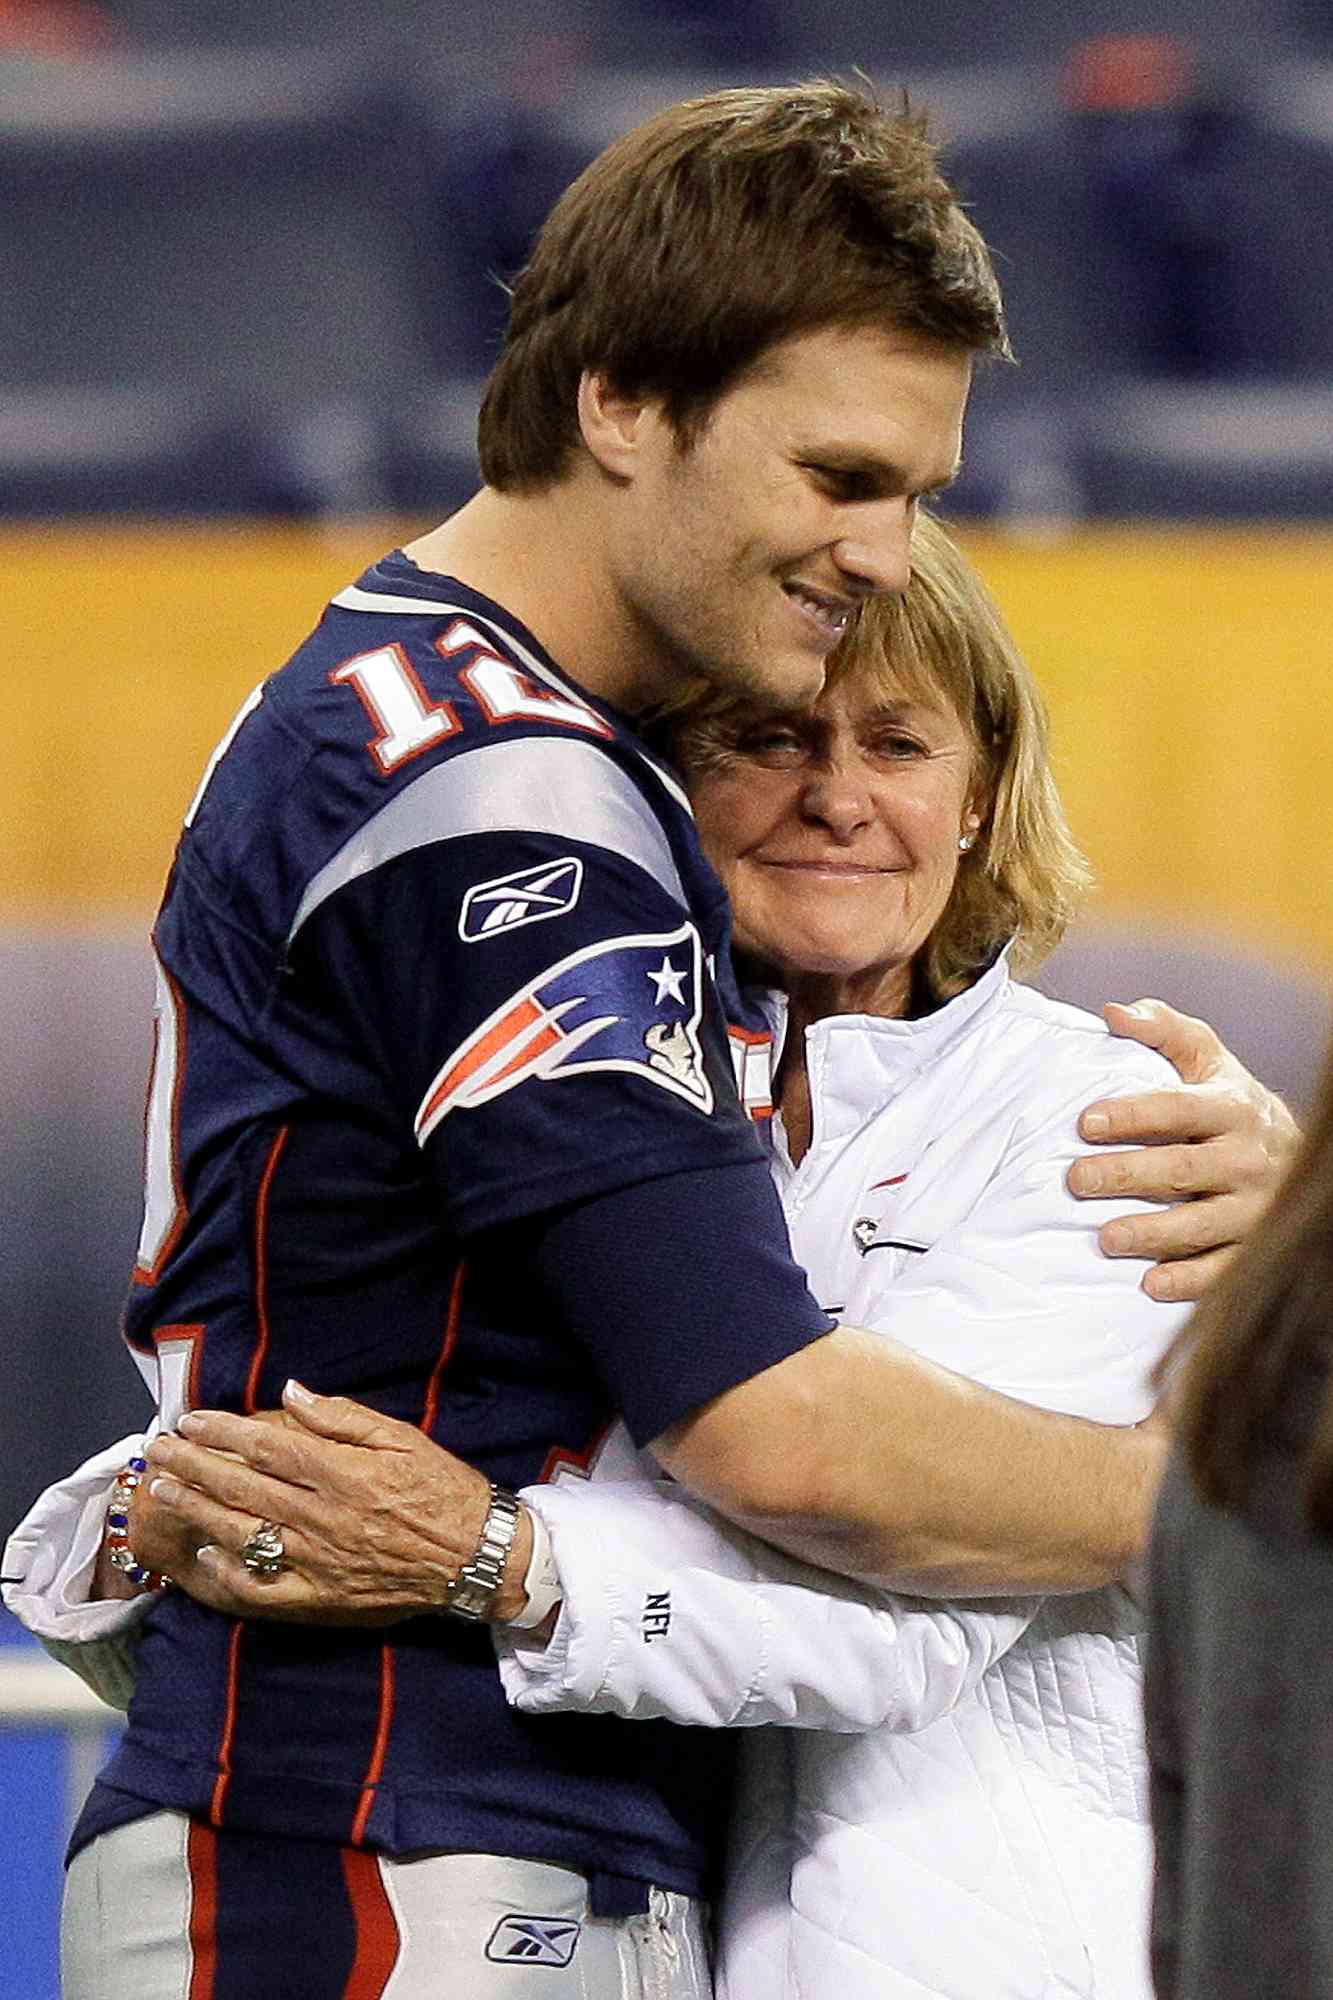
(1189, 672)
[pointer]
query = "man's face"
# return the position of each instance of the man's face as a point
(745, 556)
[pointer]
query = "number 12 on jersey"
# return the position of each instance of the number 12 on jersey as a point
(407, 721)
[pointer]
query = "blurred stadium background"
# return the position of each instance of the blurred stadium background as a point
(248, 258)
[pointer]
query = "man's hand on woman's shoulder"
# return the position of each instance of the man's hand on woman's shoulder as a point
(1216, 1148)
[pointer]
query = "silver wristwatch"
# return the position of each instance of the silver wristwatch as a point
(472, 1592)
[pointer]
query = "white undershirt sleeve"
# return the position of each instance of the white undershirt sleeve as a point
(48, 1564)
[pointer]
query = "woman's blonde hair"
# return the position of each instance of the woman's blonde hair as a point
(1025, 877)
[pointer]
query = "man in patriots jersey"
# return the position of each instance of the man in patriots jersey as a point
(443, 1116)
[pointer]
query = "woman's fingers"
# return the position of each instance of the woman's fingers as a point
(230, 1484)
(346, 1422)
(385, 1523)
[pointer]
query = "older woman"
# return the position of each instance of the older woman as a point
(880, 852)
(979, 1823)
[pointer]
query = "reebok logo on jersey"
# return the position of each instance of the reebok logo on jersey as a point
(631, 1004)
(525, 897)
(520, 1940)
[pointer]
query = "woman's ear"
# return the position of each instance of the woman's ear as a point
(976, 813)
(613, 426)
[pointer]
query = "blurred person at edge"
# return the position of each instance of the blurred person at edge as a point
(738, 359)
(1240, 1610)
(959, 1785)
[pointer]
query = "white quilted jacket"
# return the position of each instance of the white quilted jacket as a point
(960, 1808)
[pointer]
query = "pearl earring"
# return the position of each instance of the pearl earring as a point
(966, 842)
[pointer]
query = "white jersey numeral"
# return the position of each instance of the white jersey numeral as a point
(505, 693)
(407, 721)
(163, 1202)
(177, 1353)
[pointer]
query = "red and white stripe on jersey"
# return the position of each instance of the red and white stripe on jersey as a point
(752, 1063)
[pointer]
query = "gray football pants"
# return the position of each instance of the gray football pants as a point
(142, 1915)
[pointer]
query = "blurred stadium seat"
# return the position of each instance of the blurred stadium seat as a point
(1203, 258)
(231, 235)
(1276, 1018)
(495, 163)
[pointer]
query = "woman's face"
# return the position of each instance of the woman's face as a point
(836, 833)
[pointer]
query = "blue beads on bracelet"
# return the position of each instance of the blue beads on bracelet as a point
(119, 1553)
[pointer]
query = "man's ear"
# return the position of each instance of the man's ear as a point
(613, 425)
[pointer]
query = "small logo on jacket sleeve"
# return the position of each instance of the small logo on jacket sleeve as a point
(528, 896)
(522, 1940)
(656, 1620)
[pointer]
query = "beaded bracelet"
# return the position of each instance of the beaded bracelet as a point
(118, 1530)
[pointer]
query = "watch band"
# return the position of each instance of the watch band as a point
(472, 1592)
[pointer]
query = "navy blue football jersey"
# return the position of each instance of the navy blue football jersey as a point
(436, 964)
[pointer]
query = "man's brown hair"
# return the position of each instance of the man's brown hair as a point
(722, 226)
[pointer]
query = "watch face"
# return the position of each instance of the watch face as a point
(469, 1600)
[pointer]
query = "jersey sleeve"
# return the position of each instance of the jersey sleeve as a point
(676, 1289)
(671, 1611)
(531, 1008)
(542, 1017)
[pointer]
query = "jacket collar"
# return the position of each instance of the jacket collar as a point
(888, 1053)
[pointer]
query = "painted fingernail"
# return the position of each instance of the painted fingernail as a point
(165, 1490)
(1096, 1124)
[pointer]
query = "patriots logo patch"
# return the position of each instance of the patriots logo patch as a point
(518, 1940)
(526, 897)
(632, 1004)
